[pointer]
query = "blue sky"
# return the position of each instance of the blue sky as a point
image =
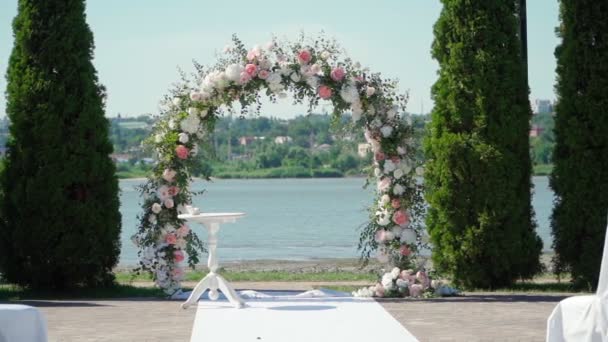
(140, 43)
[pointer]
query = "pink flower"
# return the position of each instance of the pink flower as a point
(173, 190)
(183, 231)
(171, 239)
(380, 156)
(379, 290)
(245, 77)
(384, 184)
(396, 203)
(396, 159)
(178, 256)
(169, 203)
(416, 290)
(251, 69)
(325, 92)
(182, 152)
(380, 236)
(304, 56)
(263, 74)
(405, 274)
(400, 218)
(177, 273)
(423, 278)
(169, 175)
(337, 74)
(163, 192)
(405, 250)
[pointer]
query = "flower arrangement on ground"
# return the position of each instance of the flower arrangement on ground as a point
(406, 283)
(311, 71)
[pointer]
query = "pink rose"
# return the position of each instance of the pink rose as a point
(423, 278)
(337, 74)
(178, 256)
(304, 56)
(245, 77)
(263, 74)
(416, 290)
(405, 274)
(405, 250)
(182, 152)
(169, 175)
(400, 218)
(315, 69)
(380, 236)
(251, 69)
(396, 203)
(396, 159)
(384, 184)
(163, 193)
(380, 156)
(169, 203)
(171, 239)
(173, 190)
(379, 290)
(325, 92)
(183, 231)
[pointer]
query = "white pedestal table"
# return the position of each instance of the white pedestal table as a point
(212, 280)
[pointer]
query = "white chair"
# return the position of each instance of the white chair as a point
(21, 323)
(583, 318)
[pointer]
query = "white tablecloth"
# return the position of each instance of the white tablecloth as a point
(21, 323)
(583, 318)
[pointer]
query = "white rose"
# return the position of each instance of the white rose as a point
(233, 72)
(183, 138)
(401, 150)
(190, 124)
(312, 81)
(159, 138)
(177, 101)
(389, 166)
(369, 91)
(204, 113)
(398, 189)
(357, 111)
(395, 272)
(156, 208)
(385, 199)
(349, 94)
(152, 219)
(273, 78)
(420, 171)
(193, 111)
(408, 236)
(387, 281)
(398, 173)
(386, 131)
(397, 230)
(377, 172)
(325, 55)
(383, 217)
(295, 77)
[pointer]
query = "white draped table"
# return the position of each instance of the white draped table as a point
(21, 323)
(213, 281)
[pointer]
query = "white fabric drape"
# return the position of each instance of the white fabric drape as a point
(583, 318)
(21, 323)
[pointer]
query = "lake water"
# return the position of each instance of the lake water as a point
(290, 219)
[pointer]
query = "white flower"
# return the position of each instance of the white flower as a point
(387, 281)
(408, 236)
(397, 230)
(325, 55)
(385, 199)
(395, 272)
(285, 70)
(313, 82)
(177, 101)
(401, 150)
(274, 78)
(190, 124)
(349, 94)
(203, 113)
(420, 171)
(389, 166)
(383, 217)
(159, 138)
(295, 77)
(398, 189)
(398, 173)
(315, 69)
(156, 208)
(357, 111)
(193, 111)
(152, 219)
(386, 131)
(172, 124)
(194, 96)
(369, 91)
(377, 172)
(183, 138)
(233, 72)
(388, 236)
(406, 168)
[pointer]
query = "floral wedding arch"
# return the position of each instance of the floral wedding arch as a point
(311, 71)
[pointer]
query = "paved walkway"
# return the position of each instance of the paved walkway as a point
(474, 317)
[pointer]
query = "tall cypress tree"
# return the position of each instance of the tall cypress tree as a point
(580, 176)
(478, 171)
(60, 218)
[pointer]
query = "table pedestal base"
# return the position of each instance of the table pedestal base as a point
(213, 282)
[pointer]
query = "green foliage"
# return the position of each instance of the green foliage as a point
(478, 169)
(60, 220)
(580, 176)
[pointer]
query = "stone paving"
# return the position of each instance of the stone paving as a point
(474, 317)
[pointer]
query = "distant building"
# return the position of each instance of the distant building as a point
(541, 106)
(282, 140)
(244, 141)
(120, 158)
(363, 150)
(535, 131)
